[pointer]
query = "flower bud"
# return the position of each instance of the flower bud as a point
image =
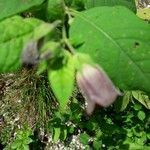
(96, 87)
(30, 55)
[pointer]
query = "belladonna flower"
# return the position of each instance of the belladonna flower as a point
(96, 87)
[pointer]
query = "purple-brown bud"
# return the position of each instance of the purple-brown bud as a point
(96, 87)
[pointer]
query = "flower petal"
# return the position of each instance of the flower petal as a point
(96, 86)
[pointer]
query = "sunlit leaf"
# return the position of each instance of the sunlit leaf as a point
(119, 41)
(141, 115)
(62, 81)
(142, 98)
(10, 7)
(56, 134)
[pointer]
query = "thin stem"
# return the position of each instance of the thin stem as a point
(66, 41)
(71, 12)
(64, 35)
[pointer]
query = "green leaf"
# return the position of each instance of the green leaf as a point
(63, 134)
(42, 67)
(10, 7)
(78, 4)
(27, 141)
(16, 144)
(119, 41)
(148, 135)
(97, 144)
(25, 147)
(55, 10)
(135, 146)
(53, 47)
(141, 115)
(137, 106)
(15, 33)
(56, 134)
(142, 98)
(95, 3)
(84, 138)
(71, 130)
(22, 147)
(122, 103)
(62, 81)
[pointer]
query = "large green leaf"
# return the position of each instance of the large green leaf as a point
(127, 3)
(11, 7)
(62, 81)
(117, 40)
(14, 33)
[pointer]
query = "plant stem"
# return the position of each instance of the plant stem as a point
(66, 41)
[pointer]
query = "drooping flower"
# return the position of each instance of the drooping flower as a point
(30, 54)
(96, 87)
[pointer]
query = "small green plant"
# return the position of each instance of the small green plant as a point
(22, 140)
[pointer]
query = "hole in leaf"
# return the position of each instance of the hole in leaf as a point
(136, 44)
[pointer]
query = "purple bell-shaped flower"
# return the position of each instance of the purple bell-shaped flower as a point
(96, 87)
